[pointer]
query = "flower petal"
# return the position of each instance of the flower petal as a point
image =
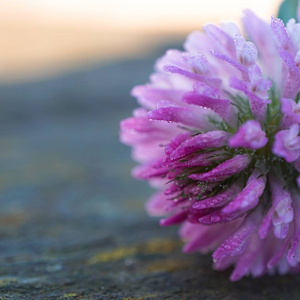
(225, 170)
(250, 135)
(211, 139)
(235, 244)
(287, 144)
(248, 198)
(218, 200)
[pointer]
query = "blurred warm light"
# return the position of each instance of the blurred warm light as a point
(138, 14)
(40, 37)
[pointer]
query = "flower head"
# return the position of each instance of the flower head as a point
(218, 135)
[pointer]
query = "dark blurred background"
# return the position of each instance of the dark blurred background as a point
(72, 220)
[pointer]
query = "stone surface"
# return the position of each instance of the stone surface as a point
(72, 220)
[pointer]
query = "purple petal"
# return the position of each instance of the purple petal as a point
(159, 205)
(281, 212)
(145, 136)
(208, 237)
(147, 171)
(279, 253)
(257, 104)
(287, 144)
(218, 200)
(259, 86)
(148, 96)
(207, 90)
(225, 170)
(291, 113)
(232, 62)
(235, 244)
(139, 129)
(266, 224)
(211, 139)
(260, 33)
(246, 51)
(221, 38)
(248, 198)
(279, 30)
(200, 43)
(198, 63)
(247, 259)
(250, 135)
(176, 219)
(230, 29)
(220, 106)
(188, 74)
(217, 217)
(171, 57)
(202, 159)
(292, 84)
(281, 230)
(175, 142)
(183, 115)
(293, 30)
